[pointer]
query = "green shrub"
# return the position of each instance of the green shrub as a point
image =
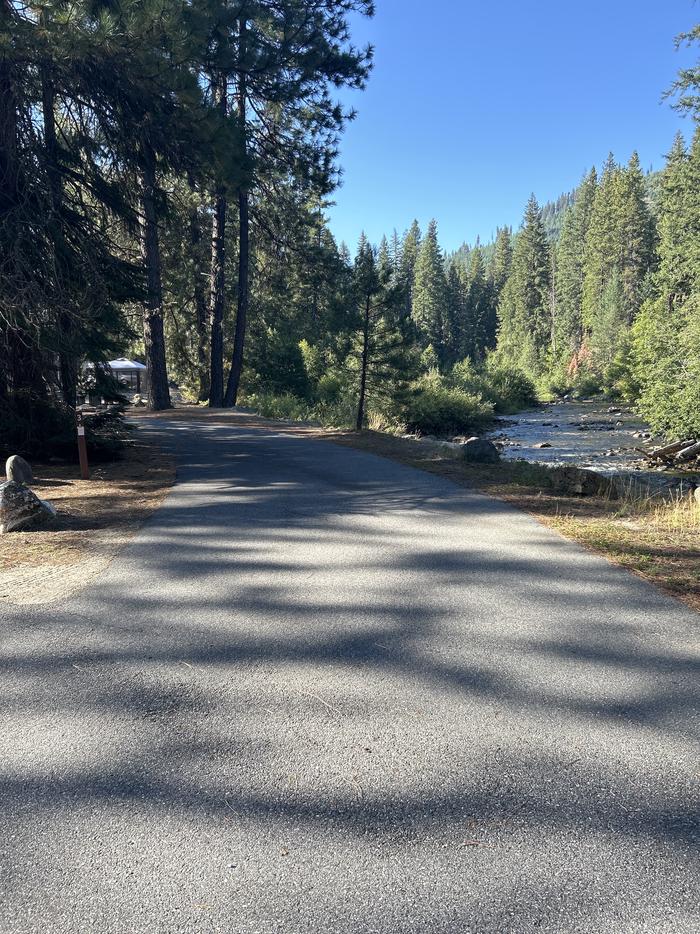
(504, 385)
(508, 388)
(270, 405)
(332, 413)
(585, 385)
(465, 376)
(336, 413)
(40, 428)
(276, 367)
(439, 409)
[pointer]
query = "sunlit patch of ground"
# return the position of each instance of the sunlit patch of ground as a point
(95, 519)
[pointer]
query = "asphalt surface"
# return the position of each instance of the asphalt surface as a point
(323, 692)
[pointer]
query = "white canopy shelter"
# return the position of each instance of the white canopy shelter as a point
(123, 363)
(128, 373)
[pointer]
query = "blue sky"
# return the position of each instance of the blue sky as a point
(472, 106)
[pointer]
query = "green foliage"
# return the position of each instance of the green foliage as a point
(507, 387)
(39, 429)
(504, 386)
(570, 270)
(429, 359)
(278, 363)
(666, 334)
(525, 307)
(436, 408)
(430, 296)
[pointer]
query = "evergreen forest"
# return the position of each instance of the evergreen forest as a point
(166, 169)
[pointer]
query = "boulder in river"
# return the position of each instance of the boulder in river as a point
(17, 469)
(20, 508)
(480, 451)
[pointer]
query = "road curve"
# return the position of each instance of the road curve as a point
(324, 692)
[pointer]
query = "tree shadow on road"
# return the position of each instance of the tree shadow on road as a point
(363, 663)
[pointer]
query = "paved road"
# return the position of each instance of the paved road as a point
(322, 692)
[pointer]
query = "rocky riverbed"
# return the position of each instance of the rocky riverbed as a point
(589, 434)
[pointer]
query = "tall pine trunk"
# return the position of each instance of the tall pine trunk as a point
(363, 368)
(153, 336)
(234, 377)
(9, 173)
(200, 307)
(67, 359)
(217, 274)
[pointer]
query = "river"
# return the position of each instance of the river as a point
(590, 434)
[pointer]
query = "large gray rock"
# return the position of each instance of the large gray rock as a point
(480, 451)
(20, 508)
(17, 469)
(574, 481)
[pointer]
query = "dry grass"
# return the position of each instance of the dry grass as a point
(95, 519)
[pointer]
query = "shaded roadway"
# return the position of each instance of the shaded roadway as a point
(324, 692)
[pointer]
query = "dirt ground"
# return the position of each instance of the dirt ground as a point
(95, 519)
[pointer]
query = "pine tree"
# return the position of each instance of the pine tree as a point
(456, 331)
(430, 292)
(619, 247)
(481, 309)
(287, 56)
(410, 247)
(385, 354)
(385, 266)
(666, 334)
(602, 246)
(524, 308)
(570, 268)
(636, 236)
(499, 268)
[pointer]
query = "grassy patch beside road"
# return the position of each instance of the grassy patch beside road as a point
(95, 519)
(660, 542)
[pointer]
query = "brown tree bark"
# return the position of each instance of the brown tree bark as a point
(234, 377)
(363, 368)
(153, 336)
(200, 307)
(217, 285)
(217, 274)
(67, 359)
(8, 123)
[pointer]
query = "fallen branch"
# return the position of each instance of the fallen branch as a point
(668, 450)
(693, 450)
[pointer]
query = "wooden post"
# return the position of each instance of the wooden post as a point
(82, 449)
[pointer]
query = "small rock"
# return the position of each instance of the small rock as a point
(20, 508)
(480, 451)
(543, 444)
(17, 469)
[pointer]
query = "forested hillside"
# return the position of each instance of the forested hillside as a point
(164, 175)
